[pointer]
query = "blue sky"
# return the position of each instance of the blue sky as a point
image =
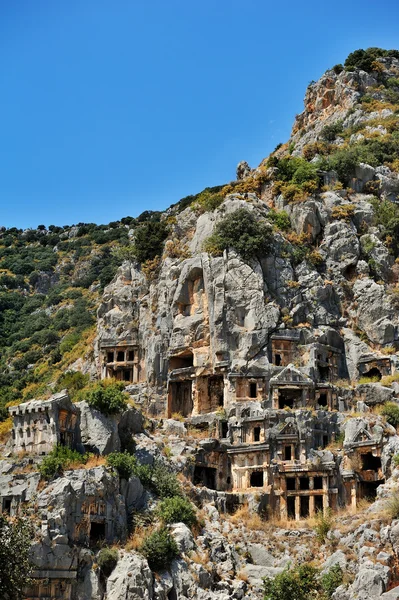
(112, 108)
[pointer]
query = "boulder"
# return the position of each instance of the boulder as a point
(131, 579)
(183, 537)
(371, 581)
(99, 433)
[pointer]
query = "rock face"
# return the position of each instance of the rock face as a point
(260, 374)
(131, 580)
(99, 432)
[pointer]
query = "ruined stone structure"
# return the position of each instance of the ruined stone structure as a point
(272, 415)
(39, 425)
(121, 361)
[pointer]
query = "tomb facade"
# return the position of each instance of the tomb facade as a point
(39, 425)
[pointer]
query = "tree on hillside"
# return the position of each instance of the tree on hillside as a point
(15, 568)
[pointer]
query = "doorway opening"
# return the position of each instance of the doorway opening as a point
(257, 479)
(318, 504)
(291, 507)
(205, 476)
(97, 532)
(288, 398)
(370, 462)
(304, 507)
(287, 453)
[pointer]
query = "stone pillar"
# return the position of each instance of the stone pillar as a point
(311, 506)
(275, 398)
(353, 496)
(283, 507)
(195, 391)
(169, 406)
(297, 508)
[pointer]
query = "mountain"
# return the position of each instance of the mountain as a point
(221, 378)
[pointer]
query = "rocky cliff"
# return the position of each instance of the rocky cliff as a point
(255, 329)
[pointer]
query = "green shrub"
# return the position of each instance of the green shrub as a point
(364, 59)
(158, 477)
(16, 536)
(108, 397)
(338, 68)
(177, 510)
(296, 170)
(208, 201)
(73, 381)
(59, 459)
(344, 163)
(298, 583)
(280, 219)
(243, 232)
(69, 341)
(159, 548)
(330, 132)
(331, 580)
(324, 522)
(107, 560)
(124, 463)
(391, 412)
(393, 505)
(386, 214)
(163, 481)
(149, 238)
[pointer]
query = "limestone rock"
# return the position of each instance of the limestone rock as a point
(99, 433)
(131, 579)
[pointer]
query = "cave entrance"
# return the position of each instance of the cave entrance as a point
(183, 361)
(7, 506)
(304, 507)
(370, 462)
(291, 507)
(350, 272)
(289, 397)
(256, 479)
(368, 489)
(97, 532)
(373, 373)
(205, 476)
(322, 401)
(181, 401)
